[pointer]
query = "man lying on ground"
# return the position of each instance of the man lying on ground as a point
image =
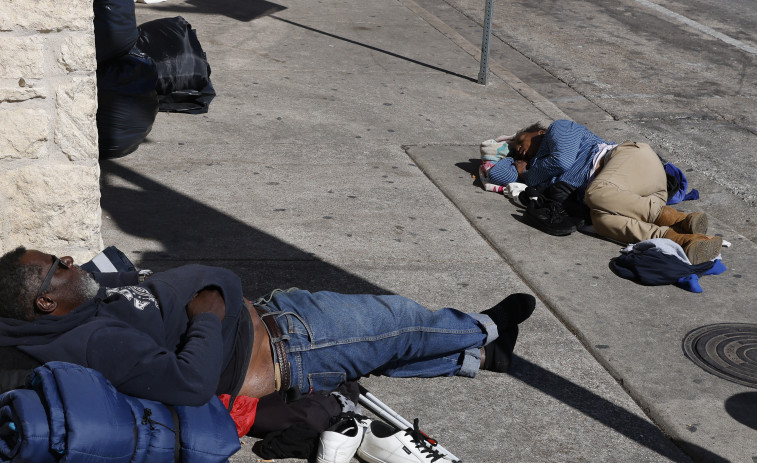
(624, 186)
(183, 335)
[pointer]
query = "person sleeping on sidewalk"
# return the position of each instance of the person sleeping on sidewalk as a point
(186, 334)
(624, 186)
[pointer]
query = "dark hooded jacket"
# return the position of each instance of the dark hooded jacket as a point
(141, 339)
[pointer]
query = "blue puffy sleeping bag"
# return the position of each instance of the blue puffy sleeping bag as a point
(73, 414)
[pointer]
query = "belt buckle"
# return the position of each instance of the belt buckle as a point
(277, 376)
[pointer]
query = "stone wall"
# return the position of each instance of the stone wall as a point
(49, 172)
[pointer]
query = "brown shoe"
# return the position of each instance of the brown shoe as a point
(698, 248)
(696, 222)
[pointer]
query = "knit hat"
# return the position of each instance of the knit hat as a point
(493, 150)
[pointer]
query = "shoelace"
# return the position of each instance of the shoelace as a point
(423, 443)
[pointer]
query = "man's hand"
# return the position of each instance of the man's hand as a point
(520, 166)
(207, 300)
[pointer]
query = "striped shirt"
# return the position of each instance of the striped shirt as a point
(565, 154)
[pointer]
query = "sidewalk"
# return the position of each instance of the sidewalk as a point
(336, 156)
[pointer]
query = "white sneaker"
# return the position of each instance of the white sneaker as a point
(385, 444)
(339, 443)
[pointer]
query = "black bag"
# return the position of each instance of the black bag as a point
(183, 71)
(127, 102)
(115, 28)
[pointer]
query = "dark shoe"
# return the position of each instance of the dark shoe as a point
(507, 315)
(549, 217)
(498, 355)
(511, 311)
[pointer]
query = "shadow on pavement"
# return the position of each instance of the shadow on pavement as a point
(240, 10)
(191, 232)
(371, 47)
(743, 408)
(470, 167)
(617, 418)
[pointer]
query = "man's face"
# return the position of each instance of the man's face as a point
(527, 144)
(70, 286)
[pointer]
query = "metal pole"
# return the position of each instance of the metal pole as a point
(483, 73)
(372, 403)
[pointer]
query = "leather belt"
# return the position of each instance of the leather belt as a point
(281, 368)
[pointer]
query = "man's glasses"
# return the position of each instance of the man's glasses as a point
(46, 282)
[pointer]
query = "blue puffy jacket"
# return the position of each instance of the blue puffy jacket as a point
(73, 414)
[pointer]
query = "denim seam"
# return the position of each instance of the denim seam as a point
(319, 345)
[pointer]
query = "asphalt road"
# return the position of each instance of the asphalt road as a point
(680, 74)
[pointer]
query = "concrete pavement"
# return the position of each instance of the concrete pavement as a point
(337, 155)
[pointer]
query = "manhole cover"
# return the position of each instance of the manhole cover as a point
(727, 350)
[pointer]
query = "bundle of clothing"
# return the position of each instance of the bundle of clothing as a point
(660, 261)
(159, 65)
(69, 413)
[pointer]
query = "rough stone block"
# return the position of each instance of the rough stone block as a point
(23, 133)
(46, 15)
(77, 53)
(54, 207)
(22, 57)
(11, 91)
(76, 125)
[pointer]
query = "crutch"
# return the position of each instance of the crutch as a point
(382, 410)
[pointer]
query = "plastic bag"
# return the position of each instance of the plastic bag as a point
(127, 102)
(115, 28)
(183, 71)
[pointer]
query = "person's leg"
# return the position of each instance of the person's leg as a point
(628, 194)
(501, 325)
(336, 337)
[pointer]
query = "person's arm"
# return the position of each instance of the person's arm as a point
(177, 287)
(207, 300)
(556, 154)
(180, 361)
(139, 365)
(136, 365)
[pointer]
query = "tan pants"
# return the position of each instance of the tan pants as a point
(628, 193)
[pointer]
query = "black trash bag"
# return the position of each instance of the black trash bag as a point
(127, 102)
(183, 70)
(115, 28)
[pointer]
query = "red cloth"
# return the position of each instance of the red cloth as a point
(243, 412)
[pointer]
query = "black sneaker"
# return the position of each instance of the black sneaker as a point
(550, 218)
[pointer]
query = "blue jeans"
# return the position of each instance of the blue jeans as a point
(332, 338)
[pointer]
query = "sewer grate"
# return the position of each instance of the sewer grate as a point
(727, 350)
